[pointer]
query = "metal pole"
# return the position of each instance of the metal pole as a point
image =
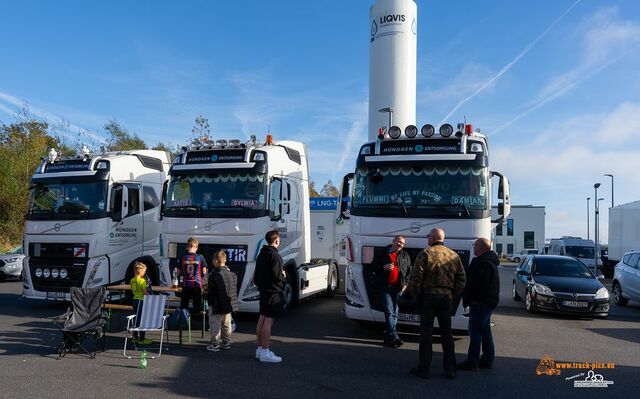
(588, 198)
(611, 176)
(595, 234)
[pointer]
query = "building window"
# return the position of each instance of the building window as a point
(499, 229)
(509, 249)
(529, 241)
(499, 249)
(509, 227)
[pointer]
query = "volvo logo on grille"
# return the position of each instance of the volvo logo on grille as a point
(574, 295)
(56, 227)
(415, 227)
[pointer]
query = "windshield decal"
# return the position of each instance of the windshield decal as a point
(244, 202)
(467, 200)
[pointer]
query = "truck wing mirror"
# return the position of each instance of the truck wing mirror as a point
(117, 195)
(504, 207)
(345, 211)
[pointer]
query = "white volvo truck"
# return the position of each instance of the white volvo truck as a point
(408, 181)
(228, 196)
(90, 217)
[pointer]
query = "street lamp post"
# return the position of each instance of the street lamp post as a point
(595, 233)
(588, 210)
(611, 176)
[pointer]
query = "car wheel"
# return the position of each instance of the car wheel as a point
(514, 293)
(516, 260)
(618, 299)
(528, 303)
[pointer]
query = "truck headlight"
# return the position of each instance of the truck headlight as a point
(38, 272)
(46, 273)
(542, 289)
(55, 273)
(63, 273)
(602, 293)
(352, 290)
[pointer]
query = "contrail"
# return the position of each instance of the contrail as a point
(512, 63)
(559, 92)
(352, 136)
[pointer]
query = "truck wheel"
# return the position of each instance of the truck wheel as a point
(514, 293)
(332, 281)
(289, 291)
(618, 299)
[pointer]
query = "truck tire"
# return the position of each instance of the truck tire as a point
(332, 280)
(618, 299)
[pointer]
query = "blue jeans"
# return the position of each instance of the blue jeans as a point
(480, 335)
(390, 303)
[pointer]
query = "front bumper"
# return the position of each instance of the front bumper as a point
(564, 304)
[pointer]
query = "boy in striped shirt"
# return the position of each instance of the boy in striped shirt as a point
(193, 267)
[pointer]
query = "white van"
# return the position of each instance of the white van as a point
(577, 247)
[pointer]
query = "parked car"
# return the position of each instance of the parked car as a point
(626, 279)
(559, 284)
(11, 264)
(520, 255)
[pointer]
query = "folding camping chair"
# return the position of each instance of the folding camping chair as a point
(83, 321)
(153, 318)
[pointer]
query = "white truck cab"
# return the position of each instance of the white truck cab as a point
(90, 217)
(228, 195)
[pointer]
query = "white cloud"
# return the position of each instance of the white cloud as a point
(68, 129)
(561, 165)
(606, 39)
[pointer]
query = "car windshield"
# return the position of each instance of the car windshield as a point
(580, 252)
(215, 194)
(420, 191)
(559, 267)
(68, 199)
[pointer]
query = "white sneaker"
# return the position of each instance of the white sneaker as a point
(269, 357)
(259, 353)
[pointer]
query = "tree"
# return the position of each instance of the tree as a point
(329, 190)
(200, 130)
(22, 144)
(121, 139)
(312, 190)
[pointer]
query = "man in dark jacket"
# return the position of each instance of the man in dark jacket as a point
(269, 277)
(393, 267)
(481, 296)
(223, 300)
(438, 277)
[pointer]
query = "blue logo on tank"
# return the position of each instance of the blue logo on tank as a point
(419, 148)
(214, 158)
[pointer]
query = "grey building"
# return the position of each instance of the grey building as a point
(523, 229)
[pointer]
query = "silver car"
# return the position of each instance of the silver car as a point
(11, 264)
(626, 279)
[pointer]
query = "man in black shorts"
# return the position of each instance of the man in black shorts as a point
(269, 278)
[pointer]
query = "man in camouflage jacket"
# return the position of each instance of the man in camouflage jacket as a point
(437, 277)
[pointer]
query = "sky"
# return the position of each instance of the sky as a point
(554, 85)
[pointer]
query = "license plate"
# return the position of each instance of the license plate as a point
(409, 317)
(56, 295)
(575, 304)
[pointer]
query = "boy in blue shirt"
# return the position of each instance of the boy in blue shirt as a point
(193, 267)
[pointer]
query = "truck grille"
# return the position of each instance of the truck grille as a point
(72, 257)
(373, 288)
(237, 256)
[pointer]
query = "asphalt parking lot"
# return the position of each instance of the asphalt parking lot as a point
(325, 355)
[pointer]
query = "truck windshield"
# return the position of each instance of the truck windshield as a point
(68, 200)
(422, 191)
(580, 252)
(235, 194)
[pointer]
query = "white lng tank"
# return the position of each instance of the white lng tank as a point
(392, 64)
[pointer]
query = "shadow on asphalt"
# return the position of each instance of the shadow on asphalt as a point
(625, 334)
